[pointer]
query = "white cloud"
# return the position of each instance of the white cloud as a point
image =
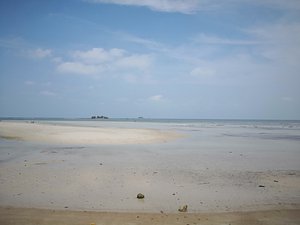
(156, 98)
(274, 59)
(135, 61)
(268, 46)
(192, 6)
(267, 52)
(282, 42)
(40, 53)
(98, 55)
(280, 33)
(98, 61)
(182, 6)
(79, 68)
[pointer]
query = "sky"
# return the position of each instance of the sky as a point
(195, 59)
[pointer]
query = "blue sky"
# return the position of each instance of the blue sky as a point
(234, 59)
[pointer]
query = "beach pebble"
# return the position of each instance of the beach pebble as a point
(140, 196)
(183, 208)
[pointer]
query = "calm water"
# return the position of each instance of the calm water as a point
(213, 156)
(288, 124)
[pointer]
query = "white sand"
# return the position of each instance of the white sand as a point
(63, 134)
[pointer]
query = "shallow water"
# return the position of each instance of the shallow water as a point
(218, 165)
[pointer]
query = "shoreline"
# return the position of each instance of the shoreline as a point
(27, 216)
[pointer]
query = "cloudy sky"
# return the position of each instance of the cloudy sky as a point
(234, 59)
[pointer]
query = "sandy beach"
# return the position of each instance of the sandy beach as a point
(83, 173)
(59, 134)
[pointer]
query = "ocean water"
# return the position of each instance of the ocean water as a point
(271, 124)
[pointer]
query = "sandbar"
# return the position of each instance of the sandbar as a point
(64, 134)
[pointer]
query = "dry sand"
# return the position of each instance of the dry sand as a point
(63, 174)
(59, 134)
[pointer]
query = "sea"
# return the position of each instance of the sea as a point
(292, 125)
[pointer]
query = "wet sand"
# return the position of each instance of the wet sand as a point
(12, 216)
(224, 177)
